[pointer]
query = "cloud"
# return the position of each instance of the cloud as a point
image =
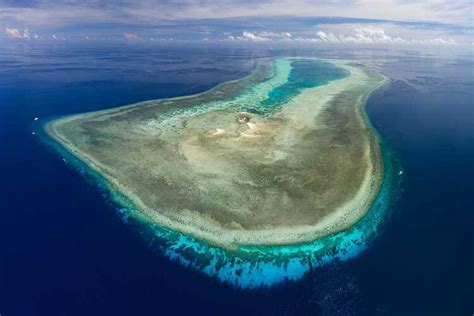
(369, 35)
(130, 35)
(64, 12)
(13, 33)
(246, 20)
(255, 38)
(26, 34)
(439, 41)
(363, 35)
(327, 37)
(376, 35)
(275, 34)
(263, 36)
(16, 33)
(248, 36)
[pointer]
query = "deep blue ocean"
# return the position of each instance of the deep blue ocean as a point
(66, 250)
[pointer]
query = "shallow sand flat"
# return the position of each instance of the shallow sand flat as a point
(308, 170)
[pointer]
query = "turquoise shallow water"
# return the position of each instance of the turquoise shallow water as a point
(304, 73)
(289, 77)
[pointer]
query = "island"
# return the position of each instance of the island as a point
(285, 155)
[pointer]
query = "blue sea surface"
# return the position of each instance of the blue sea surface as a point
(67, 249)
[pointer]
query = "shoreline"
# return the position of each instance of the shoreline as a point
(341, 219)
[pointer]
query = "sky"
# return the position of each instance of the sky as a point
(351, 22)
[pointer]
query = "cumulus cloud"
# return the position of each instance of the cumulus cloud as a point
(364, 35)
(253, 37)
(375, 35)
(26, 34)
(248, 36)
(130, 35)
(16, 33)
(361, 35)
(438, 41)
(12, 32)
(327, 37)
(281, 35)
(263, 36)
